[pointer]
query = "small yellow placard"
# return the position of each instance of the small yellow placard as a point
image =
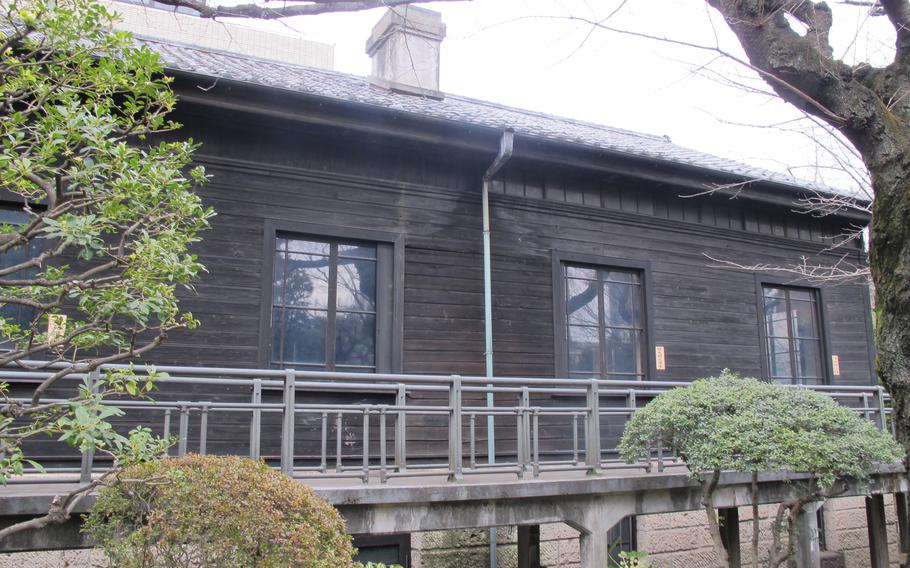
(56, 327)
(835, 365)
(661, 358)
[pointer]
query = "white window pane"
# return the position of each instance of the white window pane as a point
(307, 281)
(584, 346)
(581, 301)
(356, 285)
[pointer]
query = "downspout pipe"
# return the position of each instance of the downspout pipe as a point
(506, 145)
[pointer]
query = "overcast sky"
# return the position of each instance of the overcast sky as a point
(531, 54)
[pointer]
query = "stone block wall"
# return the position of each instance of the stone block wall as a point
(52, 559)
(681, 540)
(845, 530)
(464, 548)
(559, 546)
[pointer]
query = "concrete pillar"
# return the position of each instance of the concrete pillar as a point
(595, 549)
(729, 533)
(808, 553)
(878, 533)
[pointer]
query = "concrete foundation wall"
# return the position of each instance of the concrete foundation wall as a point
(673, 540)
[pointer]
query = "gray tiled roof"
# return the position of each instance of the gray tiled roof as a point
(235, 67)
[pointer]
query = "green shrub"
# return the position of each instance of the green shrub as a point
(728, 423)
(632, 560)
(731, 423)
(207, 511)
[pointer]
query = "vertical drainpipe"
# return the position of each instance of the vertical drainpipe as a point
(505, 152)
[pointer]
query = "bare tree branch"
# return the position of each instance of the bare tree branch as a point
(290, 8)
(843, 271)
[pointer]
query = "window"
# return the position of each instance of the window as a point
(793, 335)
(387, 549)
(604, 322)
(21, 315)
(324, 304)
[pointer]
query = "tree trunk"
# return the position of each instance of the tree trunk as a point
(890, 266)
(870, 106)
(707, 501)
(756, 524)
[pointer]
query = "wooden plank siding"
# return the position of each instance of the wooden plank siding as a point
(706, 317)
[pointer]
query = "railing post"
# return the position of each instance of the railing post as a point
(204, 428)
(535, 459)
(524, 433)
(455, 467)
(339, 466)
(88, 456)
(382, 443)
(166, 429)
(574, 439)
(473, 418)
(401, 429)
(519, 443)
(287, 427)
(592, 433)
(365, 475)
(880, 401)
(256, 420)
(323, 455)
(183, 433)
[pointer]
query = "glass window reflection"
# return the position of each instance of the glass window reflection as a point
(793, 331)
(605, 330)
(324, 305)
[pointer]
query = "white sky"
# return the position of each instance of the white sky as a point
(526, 53)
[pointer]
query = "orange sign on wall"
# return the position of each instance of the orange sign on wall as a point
(661, 358)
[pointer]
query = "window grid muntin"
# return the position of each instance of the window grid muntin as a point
(281, 251)
(785, 294)
(604, 275)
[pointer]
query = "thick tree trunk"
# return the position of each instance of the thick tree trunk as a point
(870, 106)
(707, 500)
(890, 264)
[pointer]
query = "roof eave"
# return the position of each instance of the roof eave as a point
(482, 138)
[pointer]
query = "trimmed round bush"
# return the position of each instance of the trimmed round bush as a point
(212, 511)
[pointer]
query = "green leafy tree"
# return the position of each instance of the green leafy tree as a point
(97, 243)
(730, 423)
(209, 511)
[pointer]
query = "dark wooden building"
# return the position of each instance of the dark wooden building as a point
(349, 237)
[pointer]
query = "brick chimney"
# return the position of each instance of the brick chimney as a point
(405, 47)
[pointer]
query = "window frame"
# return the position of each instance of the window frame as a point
(401, 540)
(761, 281)
(389, 285)
(560, 259)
